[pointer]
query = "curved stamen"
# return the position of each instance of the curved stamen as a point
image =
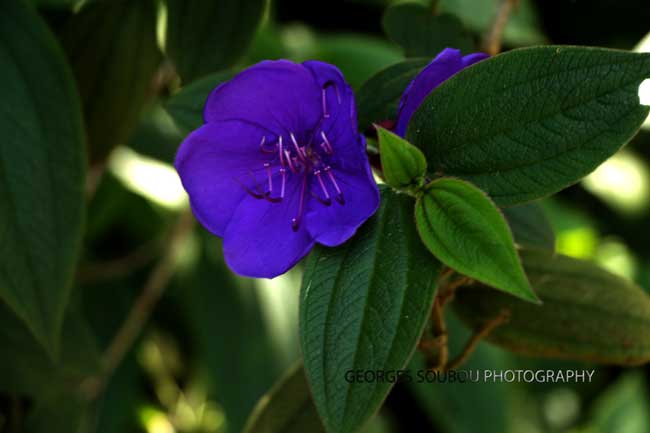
(258, 195)
(326, 145)
(324, 101)
(283, 172)
(328, 200)
(339, 194)
(267, 166)
(267, 195)
(289, 161)
(299, 150)
(295, 222)
(280, 146)
(265, 149)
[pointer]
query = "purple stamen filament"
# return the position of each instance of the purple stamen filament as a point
(295, 222)
(339, 194)
(306, 161)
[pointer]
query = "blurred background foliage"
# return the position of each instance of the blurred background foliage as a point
(215, 342)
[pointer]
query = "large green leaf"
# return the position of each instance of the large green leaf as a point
(423, 34)
(205, 36)
(530, 226)
(378, 98)
(62, 413)
(529, 122)
(113, 51)
(587, 313)
(186, 107)
(28, 369)
(463, 228)
(42, 172)
(286, 408)
(363, 307)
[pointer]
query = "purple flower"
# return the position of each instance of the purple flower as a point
(443, 67)
(278, 165)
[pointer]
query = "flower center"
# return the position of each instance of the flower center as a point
(288, 157)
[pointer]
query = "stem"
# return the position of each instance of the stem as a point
(115, 268)
(142, 308)
(476, 338)
(492, 41)
(434, 7)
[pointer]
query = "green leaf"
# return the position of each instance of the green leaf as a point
(62, 413)
(422, 34)
(114, 54)
(205, 36)
(378, 98)
(186, 107)
(529, 122)
(42, 173)
(402, 163)
(622, 407)
(463, 228)
(587, 313)
(157, 135)
(530, 226)
(363, 306)
(29, 370)
(286, 408)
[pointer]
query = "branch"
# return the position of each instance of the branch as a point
(476, 338)
(492, 41)
(143, 307)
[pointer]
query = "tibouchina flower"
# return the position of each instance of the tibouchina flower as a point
(444, 66)
(278, 165)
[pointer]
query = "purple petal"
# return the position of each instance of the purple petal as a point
(444, 66)
(278, 95)
(259, 240)
(470, 59)
(332, 225)
(212, 161)
(340, 124)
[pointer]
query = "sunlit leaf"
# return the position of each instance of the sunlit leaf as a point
(461, 226)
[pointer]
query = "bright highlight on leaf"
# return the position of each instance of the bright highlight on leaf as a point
(150, 178)
(461, 226)
(623, 182)
(402, 163)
